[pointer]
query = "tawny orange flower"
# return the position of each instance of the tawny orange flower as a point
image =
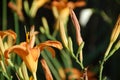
(11, 39)
(29, 53)
(62, 7)
(60, 4)
(5, 33)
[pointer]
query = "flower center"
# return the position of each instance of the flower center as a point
(27, 37)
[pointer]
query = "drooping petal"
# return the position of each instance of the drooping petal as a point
(52, 51)
(19, 50)
(49, 43)
(46, 70)
(3, 34)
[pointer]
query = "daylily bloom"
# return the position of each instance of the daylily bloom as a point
(4, 34)
(29, 53)
(60, 4)
(17, 8)
(62, 7)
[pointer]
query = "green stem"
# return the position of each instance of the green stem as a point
(4, 13)
(17, 28)
(101, 70)
(104, 59)
(79, 62)
(112, 52)
(108, 50)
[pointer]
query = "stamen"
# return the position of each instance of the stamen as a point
(27, 36)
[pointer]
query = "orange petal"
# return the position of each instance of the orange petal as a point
(49, 43)
(52, 51)
(3, 34)
(12, 6)
(19, 50)
(46, 70)
(35, 52)
(80, 3)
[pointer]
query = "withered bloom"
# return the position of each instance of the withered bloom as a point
(29, 53)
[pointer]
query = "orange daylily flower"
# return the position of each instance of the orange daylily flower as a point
(5, 33)
(60, 4)
(10, 39)
(29, 53)
(62, 7)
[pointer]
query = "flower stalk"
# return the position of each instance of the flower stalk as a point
(109, 52)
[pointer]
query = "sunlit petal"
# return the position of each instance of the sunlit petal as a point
(35, 52)
(19, 50)
(55, 44)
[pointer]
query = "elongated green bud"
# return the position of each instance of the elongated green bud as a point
(63, 34)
